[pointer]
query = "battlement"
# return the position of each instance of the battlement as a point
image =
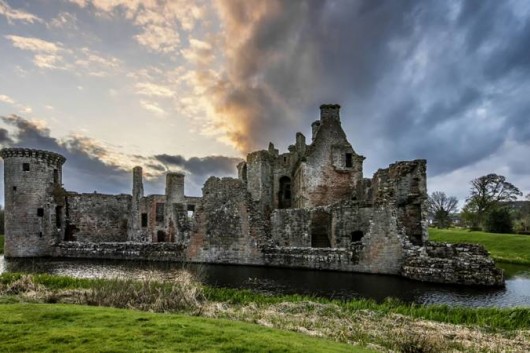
(51, 157)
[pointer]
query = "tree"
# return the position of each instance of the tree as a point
(499, 220)
(441, 208)
(487, 193)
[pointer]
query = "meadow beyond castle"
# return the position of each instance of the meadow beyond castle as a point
(310, 207)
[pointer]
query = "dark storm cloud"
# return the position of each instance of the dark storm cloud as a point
(206, 166)
(442, 80)
(84, 171)
(4, 137)
(88, 168)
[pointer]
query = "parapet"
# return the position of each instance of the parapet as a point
(51, 157)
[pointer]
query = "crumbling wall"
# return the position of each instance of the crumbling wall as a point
(97, 217)
(403, 184)
(223, 231)
(331, 171)
(121, 251)
(467, 264)
(383, 246)
(291, 227)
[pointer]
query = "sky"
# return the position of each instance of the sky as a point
(193, 86)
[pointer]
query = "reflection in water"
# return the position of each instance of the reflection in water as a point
(340, 285)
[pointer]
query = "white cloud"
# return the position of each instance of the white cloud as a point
(151, 89)
(33, 44)
(6, 99)
(152, 107)
(49, 55)
(64, 20)
(160, 22)
(16, 15)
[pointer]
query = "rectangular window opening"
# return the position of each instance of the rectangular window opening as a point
(349, 160)
(14, 188)
(25, 167)
(159, 212)
(58, 216)
(144, 220)
(55, 176)
(40, 212)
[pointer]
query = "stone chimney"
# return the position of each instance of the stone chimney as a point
(174, 188)
(329, 112)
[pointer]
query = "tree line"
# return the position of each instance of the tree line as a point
(491, 207)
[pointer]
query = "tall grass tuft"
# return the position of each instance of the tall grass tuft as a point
(181, 293)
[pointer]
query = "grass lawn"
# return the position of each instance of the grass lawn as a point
(509, 248)
(74, 328)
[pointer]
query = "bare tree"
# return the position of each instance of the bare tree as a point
(441, 208)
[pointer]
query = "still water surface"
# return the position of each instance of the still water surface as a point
(341, 285)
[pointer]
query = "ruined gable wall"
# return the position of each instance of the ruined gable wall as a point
(97, 217)
(223, 231)
(324, 177)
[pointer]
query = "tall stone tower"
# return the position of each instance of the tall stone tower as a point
(34, 208)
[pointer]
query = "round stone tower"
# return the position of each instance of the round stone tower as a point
(34, 211)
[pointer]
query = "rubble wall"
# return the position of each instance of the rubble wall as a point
(121, 251)
(98, 218)
(223, 231)
(467, 264)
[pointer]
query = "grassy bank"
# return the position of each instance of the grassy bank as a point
(509, 248)
(385, 326)
(69, 328)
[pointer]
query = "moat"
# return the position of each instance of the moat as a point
(340, 285)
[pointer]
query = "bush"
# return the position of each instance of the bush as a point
(499, 220)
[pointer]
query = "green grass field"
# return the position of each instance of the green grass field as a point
(509, 248)
(75, 328)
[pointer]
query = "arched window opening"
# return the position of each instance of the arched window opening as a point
(284, 197)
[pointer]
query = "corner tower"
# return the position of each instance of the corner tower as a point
(34, 214)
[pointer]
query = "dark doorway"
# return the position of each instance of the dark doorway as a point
(161, 236)
(284, 196)
(320, 229)
(144, 220)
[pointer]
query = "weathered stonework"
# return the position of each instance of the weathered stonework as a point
(310, 207)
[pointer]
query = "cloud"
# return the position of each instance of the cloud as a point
(160, 22)
(446, 81)
(153, 107)
(93, 165)
(210, 165)
(34, 44)
(16, 14)
(6, 99)
(20, 107)
(151, 89)
(55, 56)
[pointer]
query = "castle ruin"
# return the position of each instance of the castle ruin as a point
(310, 207)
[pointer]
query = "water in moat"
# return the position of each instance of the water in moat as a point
(340, 285)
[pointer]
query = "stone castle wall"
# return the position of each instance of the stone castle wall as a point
(98, 218)
(307, 208)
